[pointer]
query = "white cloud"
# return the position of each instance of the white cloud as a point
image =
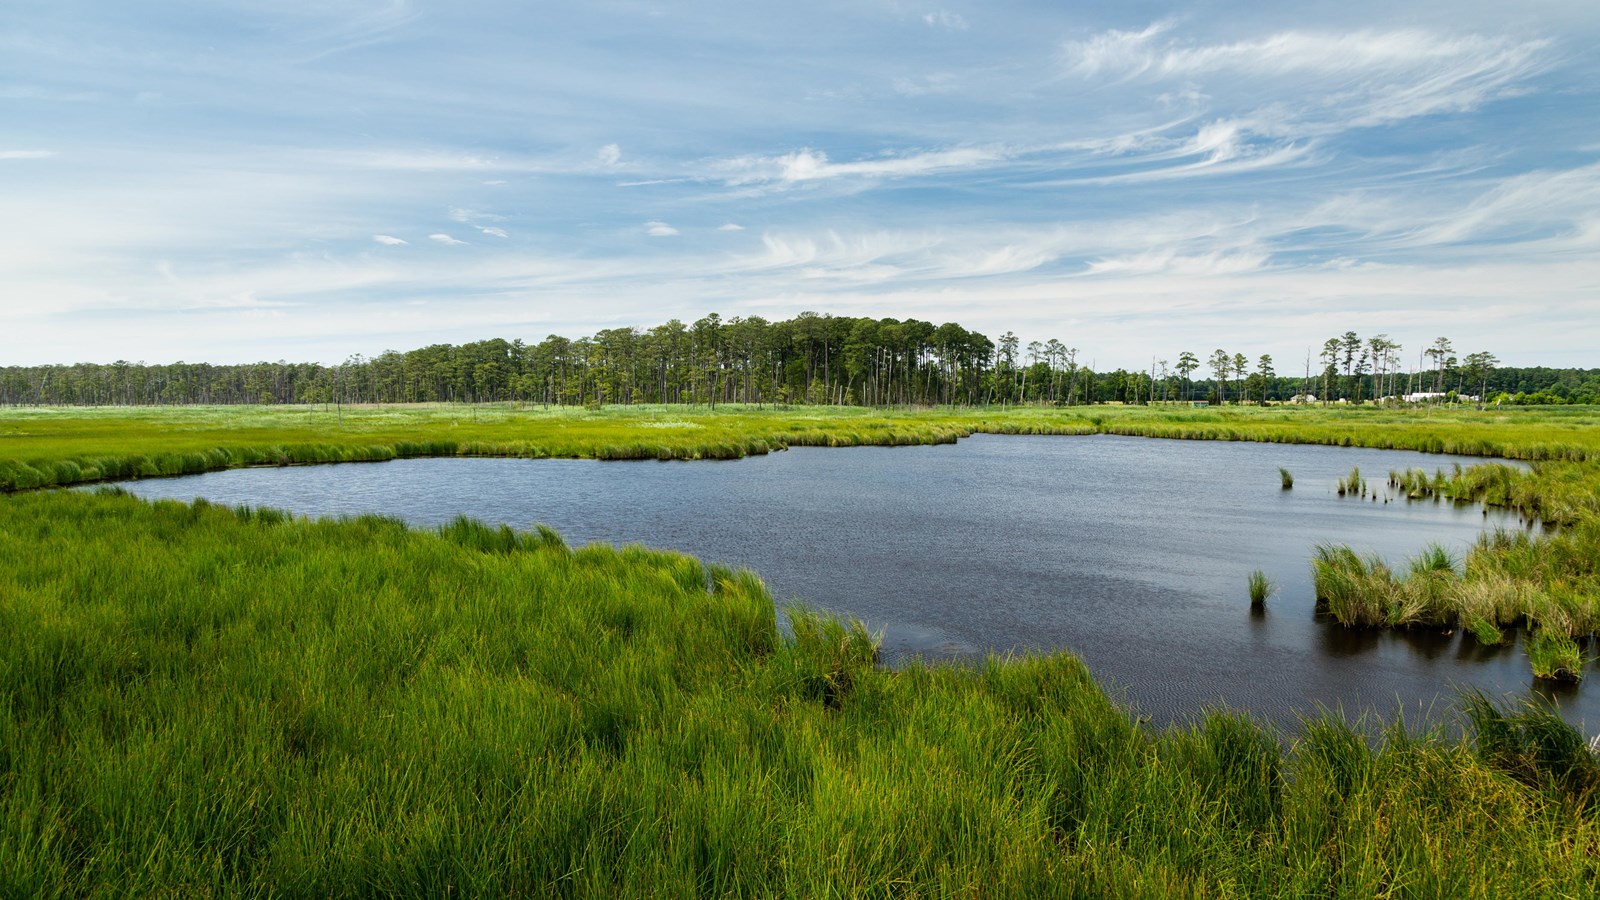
(1375, 76)
(1167, 261)
(730, 226)
(26, 154)
(1005, 260)
(659, 229)
(944, 19)
(1121, 52)
(473, 216)
(493, 231)
(388, 240)
(446, 239)
(813, 165)
(610, 155)
(430, 160)
(1228, 158)
(1134, 53)
(1548, 207)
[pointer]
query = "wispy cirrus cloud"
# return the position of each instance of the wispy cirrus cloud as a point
(447, 240)
(1169, 261)
(26, 154)
(388, 240)
(1378, 75)
(808, 165)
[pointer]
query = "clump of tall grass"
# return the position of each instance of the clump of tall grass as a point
(1490, 601)
(1355, 590)
(1285, 478)
(1430, 580)
(1364, 592)
(1261, 587)
(1555, 656)
(1414, 483)
(1534, 745)
(1494, 484)
(1353, 483)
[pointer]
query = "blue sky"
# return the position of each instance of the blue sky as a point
(236, 180)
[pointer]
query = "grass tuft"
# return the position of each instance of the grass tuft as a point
(1261, 587)
(1555, 655)
(1353, 483)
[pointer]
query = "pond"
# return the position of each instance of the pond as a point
(1131, 552)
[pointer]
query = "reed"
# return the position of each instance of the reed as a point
(1285, 478)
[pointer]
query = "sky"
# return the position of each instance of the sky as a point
(241, 180)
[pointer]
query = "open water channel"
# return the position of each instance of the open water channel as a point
(1131, 552)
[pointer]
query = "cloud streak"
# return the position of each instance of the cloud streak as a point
(808, 165)
(1381, 76)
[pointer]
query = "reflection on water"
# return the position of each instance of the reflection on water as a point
(1130, 552)
(1562, 693)
(1338, 641)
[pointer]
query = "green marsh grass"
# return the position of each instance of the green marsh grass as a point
(1555, 656)
(1285, 478)
(1352, 484)
(1261, 587)
(1535, 746)
(221, 702)
(48, 446)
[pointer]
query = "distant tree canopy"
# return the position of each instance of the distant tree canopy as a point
(809, 359)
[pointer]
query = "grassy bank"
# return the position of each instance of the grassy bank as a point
(40, 447)
(213, 702)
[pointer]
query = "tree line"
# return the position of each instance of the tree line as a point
(809, 359)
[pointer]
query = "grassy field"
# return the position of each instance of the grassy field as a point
(216, 702)
(47, 446)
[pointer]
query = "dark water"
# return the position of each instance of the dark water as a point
(1130, 552)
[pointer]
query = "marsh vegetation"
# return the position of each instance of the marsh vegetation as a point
(222, 701)
(234, 701)
(1261, 587)
(1548, 586)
